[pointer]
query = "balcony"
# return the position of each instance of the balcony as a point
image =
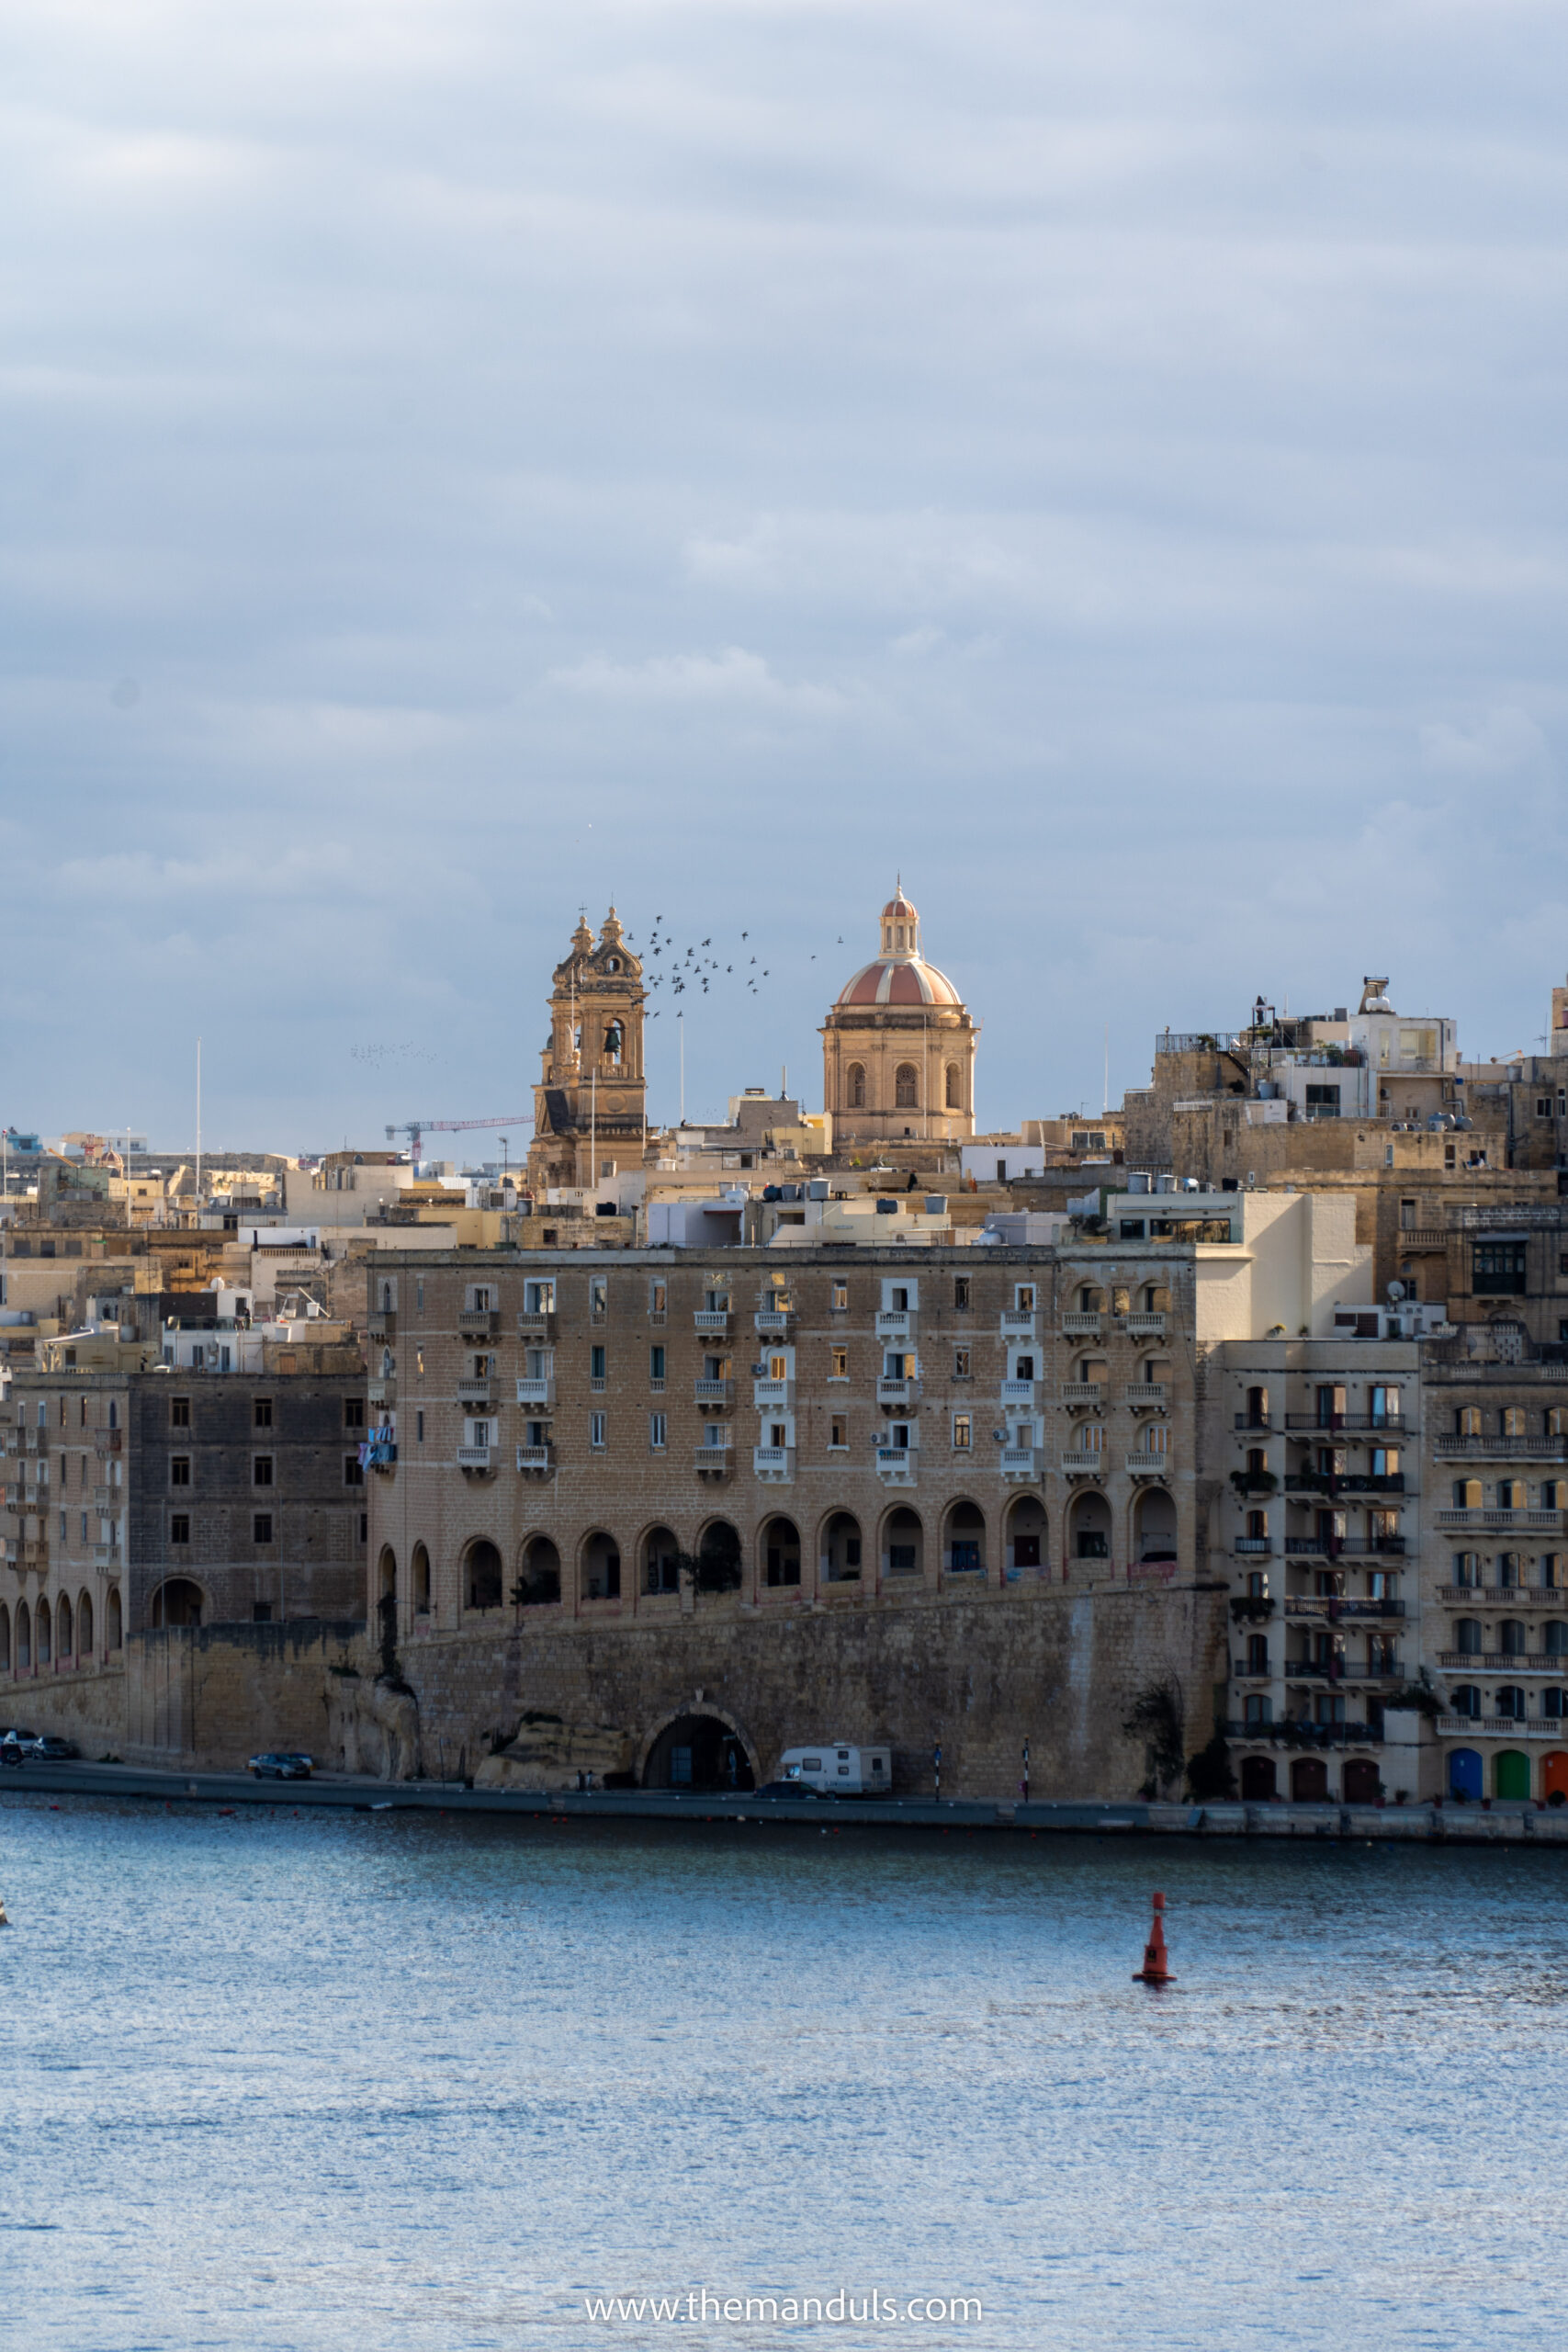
(1501, 1449)
(1305, 1424)
(1504, 1596)
(533, 1392)
(106, 1556)
(1255, 1421)
(1296, 1734)
(1331, 1608)
(536, 1457)
(713, 1392)
(893, 1323)
(896, 1392)
(1307, 1669)
(773, 1322)
(1083, 1392)
(1017, 1392)
(477, 1323)
(1423, 1236)
(1146, 1465)
(1254, 1547)
(474, 1392)
(1081, 1327)
(1145, 1392)
(382, 1325)
(473, 1457)
(1023, 1464)
(536, 1323)
(104, 1441)
(774, 1395)
(1017, 1323)
(715, 1461)
(1093, 1465)
(1547, 1522)
(1146, 1326)
(711, 1318)
(897, 1464)
(1500, 1727)
(1490, 1662)
(773, 1464)
(102, 1495)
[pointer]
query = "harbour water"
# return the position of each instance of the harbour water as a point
(399, 2083)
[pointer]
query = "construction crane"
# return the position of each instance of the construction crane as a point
(416, 1130)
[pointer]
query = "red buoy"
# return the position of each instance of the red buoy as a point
(1154, 1970)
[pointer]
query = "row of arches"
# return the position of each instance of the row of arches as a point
(961, 1542)
(906, 1087)
(1360, 1783)
(60, 1635)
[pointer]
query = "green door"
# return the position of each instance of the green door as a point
(1512, 1771)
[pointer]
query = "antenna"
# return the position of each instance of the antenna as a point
(199, 1130)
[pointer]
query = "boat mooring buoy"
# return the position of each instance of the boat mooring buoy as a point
(1155, 1968)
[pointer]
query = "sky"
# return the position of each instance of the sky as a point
(464, 463)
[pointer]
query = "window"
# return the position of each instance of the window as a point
(596, 1427)
(1258, 1654)
(261, 1470)
(1467, 1494)
(596, 1361)
(961, 1294)
(354, 1412)
(906, 1088)
(1384, 1405)
(1513, 1420)
(1466, 1568)
(961, 1363)
(839, 1434)
(1499, 1269)
(839, 1363)
(1467, 1636)
(1465, 1700)
(419, 1299)
(658, 1301)
(656, 1366)
(261, 1527)
(839, 1298)
(179, 1470)
(658, 1428)
(539, 1298)
(353, 1471)
(598, 1297)
(1543, 1106)
(1467, 1422)
(1551, 1571)
(179, 1527)
(419, 1429)
(179, 1412)
(261, 1413)
(1322, 1102)
(961, 1431)
(856, 1087)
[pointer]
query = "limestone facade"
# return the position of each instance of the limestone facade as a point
(590, 1106)
(898, 1045)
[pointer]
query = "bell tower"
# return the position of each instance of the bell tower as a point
(590, 1105)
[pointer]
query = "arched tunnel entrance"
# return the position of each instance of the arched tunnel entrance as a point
(698, 1751)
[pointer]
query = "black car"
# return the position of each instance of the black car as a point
(280, 1765)
(50, 1748)
(792, 1789)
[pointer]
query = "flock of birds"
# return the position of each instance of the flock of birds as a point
(695, 968)
(382, 1054)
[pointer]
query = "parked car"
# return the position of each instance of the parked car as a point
(797, 1790)
(16, 1745)
(839, 1771)
(50, 1748)
(280, 1765)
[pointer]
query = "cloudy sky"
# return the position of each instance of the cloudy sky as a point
(463, 461)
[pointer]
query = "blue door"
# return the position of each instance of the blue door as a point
(1465, 1773)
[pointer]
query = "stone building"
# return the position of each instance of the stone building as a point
(590, 1106)
(898, 1045)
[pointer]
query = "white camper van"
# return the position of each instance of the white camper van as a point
(839, 1771)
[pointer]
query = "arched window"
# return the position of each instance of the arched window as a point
(5, 1639)
(614, 1037)
(1467, 1637)
(1467, 1494)
(482, 1575)
(64, 1630)
(953, 1087)
(41, 1632)
(1512, 1639)
(24, 1638)
(421, 1581)
(1465, 1700)
(84, 1626)
(1510, 1698)
(1556, 1643)
(856, 1087)
(906, 1090)
(1510, 1494)
(116, 1620)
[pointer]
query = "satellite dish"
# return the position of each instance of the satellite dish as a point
(1396, 1291)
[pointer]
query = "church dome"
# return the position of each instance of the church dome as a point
(900, 975)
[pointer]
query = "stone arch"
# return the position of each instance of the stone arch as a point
(24, 1638)
(658, 1551)
(1089, 1525)
(599, 1567)
(779, 1550)
(1309, 1779)
(953, 1087)
(43, 1635)
(1025, 1535)
(418, 1568)
(481, 1574)
(681, 1726)
(85, 1623)
(964, 1537)
(114, 1633)
(902, 1542)
(5, 1639)
(1154, 1524)
(719, 1558)
(1259, 1780)
(538, 1565)
(178, 1600)
(839, 1548)
(387, 1574)
(906, 1087)
(64, 1629)
(854, 1087)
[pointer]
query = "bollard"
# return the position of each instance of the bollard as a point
(1154, 1970)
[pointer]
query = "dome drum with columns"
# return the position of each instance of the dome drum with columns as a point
(590, 1106)
(898, 1045)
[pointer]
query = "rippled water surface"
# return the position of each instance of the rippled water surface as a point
(405, 2084)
